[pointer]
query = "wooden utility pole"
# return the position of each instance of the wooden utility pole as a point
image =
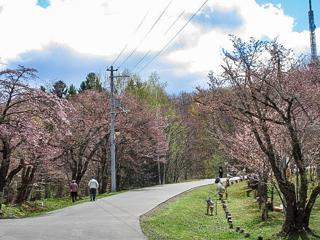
(112, 132)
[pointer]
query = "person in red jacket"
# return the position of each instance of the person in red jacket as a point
(73, 190)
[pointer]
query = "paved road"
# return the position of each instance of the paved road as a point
(114, 218)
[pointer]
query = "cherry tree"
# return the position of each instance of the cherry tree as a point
(23, 109)
(265, 90)
(140, 142)
(88, 129)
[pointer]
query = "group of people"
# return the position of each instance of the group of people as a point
(93, 187)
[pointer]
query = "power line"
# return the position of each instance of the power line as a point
(144, 56)
(174, 22)
(115, 60)
(135, 31)
(173, 38)
(147, 34)
(170, 27)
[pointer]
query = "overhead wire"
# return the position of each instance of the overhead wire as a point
(141, 59)
(174, 22)
(147, 34)
(146, 54)
(134, 32)
(173, 38)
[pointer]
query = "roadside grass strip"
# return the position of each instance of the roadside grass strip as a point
(184, 217)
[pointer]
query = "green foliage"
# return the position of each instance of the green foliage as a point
(72, 90)
(212, 165)
(59, 88)
(185, 218)
(151, 91)
(39, 207)
(176, 134)
(92, 82)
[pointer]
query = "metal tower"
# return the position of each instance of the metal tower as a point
(312, 28)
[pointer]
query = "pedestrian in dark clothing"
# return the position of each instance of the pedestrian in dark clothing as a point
(73, 190)
(220, 172)
(93, 185)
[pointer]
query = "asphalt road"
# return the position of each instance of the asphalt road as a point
(114, 218)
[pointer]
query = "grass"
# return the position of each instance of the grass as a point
(35, 208)
(185, 218)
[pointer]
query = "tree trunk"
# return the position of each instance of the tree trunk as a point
(272, 197)
(294, 224)
(1, 200)
(4, 166)
(311, 173)
(297, 218)
(318, 171)
(26, 184)
(102, 173)
(5, 163)
(263, 197)
(295, 210)
(47, 189)
(312, 199)
(164, 174)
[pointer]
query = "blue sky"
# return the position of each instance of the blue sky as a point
(297, 9)
(66, 39)
(43, 3)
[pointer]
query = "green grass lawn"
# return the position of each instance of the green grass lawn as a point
(185, 218)
(39, 207)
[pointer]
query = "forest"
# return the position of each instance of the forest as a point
(52, 136)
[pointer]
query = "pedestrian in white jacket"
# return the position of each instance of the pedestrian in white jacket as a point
(93, 185)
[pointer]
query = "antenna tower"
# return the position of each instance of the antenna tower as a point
(312, 28)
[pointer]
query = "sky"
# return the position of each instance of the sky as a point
(67, 39)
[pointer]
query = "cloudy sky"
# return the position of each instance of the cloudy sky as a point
(66, 39)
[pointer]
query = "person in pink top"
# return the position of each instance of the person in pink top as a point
(73, 190)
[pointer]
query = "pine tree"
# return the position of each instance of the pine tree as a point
(59, 88)
(72, 90)
(92, 82)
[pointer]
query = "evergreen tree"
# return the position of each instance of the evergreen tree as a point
(92, 82)
(59, 88)
(43, 89)
(72, 90)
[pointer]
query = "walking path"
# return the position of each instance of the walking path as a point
(114, 218)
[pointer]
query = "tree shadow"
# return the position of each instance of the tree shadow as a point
(312, 233)
(306, 235)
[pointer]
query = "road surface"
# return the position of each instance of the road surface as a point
(114, 218)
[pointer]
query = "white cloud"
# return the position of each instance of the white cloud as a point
(103, 27)
(267, 21)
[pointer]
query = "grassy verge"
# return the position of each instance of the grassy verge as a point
(39, 207)
(184, 218)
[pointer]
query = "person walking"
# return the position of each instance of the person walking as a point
(210, 205)
(220, 188)
(73, 188)
(220, 172)
(93, 185)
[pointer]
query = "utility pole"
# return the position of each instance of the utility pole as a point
(112, 132)
(157, 117)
